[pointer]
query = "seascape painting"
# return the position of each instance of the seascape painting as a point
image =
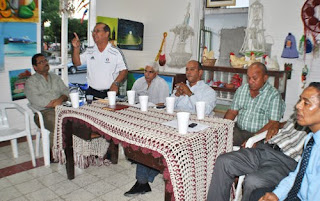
(20, 39)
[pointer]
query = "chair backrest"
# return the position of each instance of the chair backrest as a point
(3, 115)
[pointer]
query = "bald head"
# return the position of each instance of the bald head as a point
(260, 66)
(257, 76)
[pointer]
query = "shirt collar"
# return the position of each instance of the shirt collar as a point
(188, 83)
(316, 137)
(264, 87)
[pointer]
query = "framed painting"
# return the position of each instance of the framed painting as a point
(113, 24)
(220, 3)
(17, 81)
(19, 11)
(130, 35)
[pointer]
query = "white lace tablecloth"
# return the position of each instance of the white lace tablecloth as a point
(189, 158)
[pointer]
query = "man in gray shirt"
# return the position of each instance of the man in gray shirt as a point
(151, 85)
(44, 91)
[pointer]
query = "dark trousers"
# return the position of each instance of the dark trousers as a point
(97, 93)
(263, 167)
(239, 136)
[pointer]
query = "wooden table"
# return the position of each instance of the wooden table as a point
(186, 161)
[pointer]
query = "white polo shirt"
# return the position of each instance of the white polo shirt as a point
(103, 67)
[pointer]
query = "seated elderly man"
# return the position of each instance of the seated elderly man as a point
(45, 91)
(151, 85)
(186, 97)
(257, 105)
(264, 166)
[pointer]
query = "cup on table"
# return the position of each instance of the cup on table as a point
(131, 97)
(200, 107)
(170, 104)
(183, 122)
(112, 97)
(74, 97)
(143, 103)
(89, 99)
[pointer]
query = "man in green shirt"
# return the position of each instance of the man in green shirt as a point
(257, 105)
(45, 91)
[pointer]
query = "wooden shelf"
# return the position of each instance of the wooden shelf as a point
(224, 89)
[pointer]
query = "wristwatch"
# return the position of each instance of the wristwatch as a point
(116, 83)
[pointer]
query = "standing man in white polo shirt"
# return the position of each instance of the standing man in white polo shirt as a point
(106, 65)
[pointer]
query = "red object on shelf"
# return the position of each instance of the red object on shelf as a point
(236, 80)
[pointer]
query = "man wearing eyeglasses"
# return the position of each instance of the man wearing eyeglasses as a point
(106, 65)
(45, 91)
(151, 85)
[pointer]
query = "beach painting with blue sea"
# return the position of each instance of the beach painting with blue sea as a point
(20, 39)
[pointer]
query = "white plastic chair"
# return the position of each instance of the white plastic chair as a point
(249, 144)
(12, 134)
(45, 135)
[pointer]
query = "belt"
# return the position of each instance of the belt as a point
(274, 146)
(102, 91)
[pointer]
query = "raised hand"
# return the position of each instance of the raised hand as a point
(75, 41)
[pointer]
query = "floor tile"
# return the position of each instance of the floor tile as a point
(20, 178)
(51, 179)
(119, 180)
(22, 198)
(78, 195)
(85, 179)
(4, 183)
(29, 186)
(40, 171)
(44, 194)
(9, 193)
(99, 188)
(64, 187)
(116, 194)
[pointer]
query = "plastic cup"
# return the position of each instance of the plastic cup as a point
(143, 103)
(183, 122)
(131, 97)
(112, 97)
(200, 107)
(170, 104)
(89, 99)
(74, 97)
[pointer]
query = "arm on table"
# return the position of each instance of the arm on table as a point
(231, 114)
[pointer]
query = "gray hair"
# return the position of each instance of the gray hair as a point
(154, 65)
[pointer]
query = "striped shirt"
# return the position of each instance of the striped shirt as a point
(254, 113)
(290, 140)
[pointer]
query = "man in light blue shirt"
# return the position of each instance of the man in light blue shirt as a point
(308, 114)
(194, 90)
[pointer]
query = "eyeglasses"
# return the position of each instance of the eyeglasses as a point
(42, 61)
(97, 31)
(148, 71)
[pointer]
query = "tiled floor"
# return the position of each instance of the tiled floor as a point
(51, 183)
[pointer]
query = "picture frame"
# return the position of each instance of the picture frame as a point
(220, 3)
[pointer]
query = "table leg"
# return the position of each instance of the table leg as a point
(113, 152)
(68, 131)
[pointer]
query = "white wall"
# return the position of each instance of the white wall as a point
(157, 17)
